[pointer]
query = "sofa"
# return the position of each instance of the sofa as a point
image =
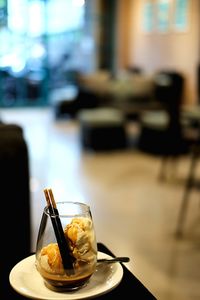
(15, 203)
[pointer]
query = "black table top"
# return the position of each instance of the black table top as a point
(129, 287)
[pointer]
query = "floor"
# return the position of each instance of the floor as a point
(135, 215)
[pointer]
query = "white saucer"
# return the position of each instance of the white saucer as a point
(25, 279)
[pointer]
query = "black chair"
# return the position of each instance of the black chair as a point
(161, 130)
(190, 183)
(191, 180)
(85, 99)
(135, 70)
(15, 221)
(198, 82)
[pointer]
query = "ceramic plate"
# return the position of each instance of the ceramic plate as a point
(25, 280)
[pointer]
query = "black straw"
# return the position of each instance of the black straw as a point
(59, 233)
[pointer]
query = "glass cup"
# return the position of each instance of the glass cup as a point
(67, 267)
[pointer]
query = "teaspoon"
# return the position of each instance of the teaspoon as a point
(114, 259)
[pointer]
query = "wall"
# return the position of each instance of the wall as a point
(124, 31)
(154, 51)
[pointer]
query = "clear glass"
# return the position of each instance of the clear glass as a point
(78, 227)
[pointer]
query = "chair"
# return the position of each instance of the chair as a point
(15, 205)
(135, 70)
(194, 120)
(161, 130)
(190, 183)
(198, 82)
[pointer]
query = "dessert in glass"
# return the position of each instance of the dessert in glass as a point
(66, 250)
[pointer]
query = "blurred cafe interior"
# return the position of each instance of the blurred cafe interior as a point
(100, 100)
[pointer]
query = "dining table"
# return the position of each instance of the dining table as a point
(129, 287)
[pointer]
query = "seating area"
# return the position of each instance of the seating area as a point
(154, 103)
(128, 91)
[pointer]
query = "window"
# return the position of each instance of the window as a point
(53, 16)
